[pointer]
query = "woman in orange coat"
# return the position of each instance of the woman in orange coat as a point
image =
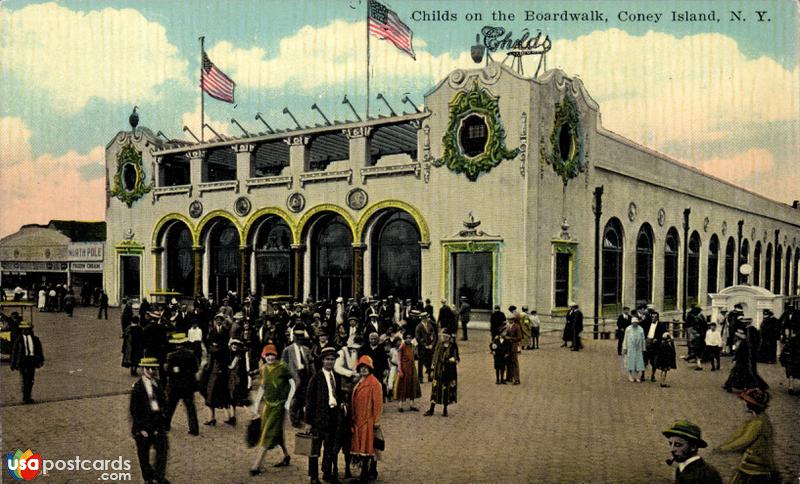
(367, 407)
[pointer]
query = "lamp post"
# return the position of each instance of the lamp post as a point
(686, 213)
(598, 212)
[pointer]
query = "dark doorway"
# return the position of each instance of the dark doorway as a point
(332, 259)
(472, 278)
(180, 260)
(273, 253)
(225, 259)
(396, 256)
(130, 267)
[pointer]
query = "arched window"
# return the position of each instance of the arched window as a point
(273, 257)
(180, 260)
(612, 267)
(394, 245)
(713, 264)
(776, 287)
(644, 265)
(757, 264)
(768, 268)
(693, 269)
(225, 270)
(671, 247)
(332, 261)
(788, 272)
(744, 258)
(796, 285)
(730, 265)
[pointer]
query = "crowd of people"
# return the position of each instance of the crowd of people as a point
(331, 365)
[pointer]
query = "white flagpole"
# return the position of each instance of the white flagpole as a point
(202, 93)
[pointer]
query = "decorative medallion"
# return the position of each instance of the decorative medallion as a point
(474, 142)
(357, 199)
(129, 181)
(631, 211)
(296, 202)
(662, 217)
(706, 222)
(196, 209)
(242, 206)
(566, 141)
(724, 227)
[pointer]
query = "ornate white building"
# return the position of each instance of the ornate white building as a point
(490, 193)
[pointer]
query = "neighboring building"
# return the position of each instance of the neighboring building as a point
(487, 194)
(61, 252)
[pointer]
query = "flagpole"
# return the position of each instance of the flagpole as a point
(202, 93)
(367, 3)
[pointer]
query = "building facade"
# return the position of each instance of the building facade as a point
(492, 193)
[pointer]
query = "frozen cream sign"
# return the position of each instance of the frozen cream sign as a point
(85, 251)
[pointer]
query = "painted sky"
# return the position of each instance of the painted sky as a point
(723, 96)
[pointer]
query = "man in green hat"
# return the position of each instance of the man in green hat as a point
(181, 382)
(148, 421)
(26, 357)
(685, 439)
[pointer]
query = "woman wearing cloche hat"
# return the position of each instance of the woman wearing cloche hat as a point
(276, 381)
(755, 438)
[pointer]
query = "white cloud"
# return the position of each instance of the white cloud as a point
(114, 55)
(51, 187)
(14, 141)
(657, 88)
(317, 58)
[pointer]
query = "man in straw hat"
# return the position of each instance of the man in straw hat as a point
(297, 357)
(685, 439)
(26, 357)
(323, 415)
(181, 382)
(148, 421)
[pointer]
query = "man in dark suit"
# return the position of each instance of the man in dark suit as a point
(380, 360)
(685, 438)
(575, 322)
(149, 423)
(181, 382)
(447, 318)
(464, 312)
(26, 357)
(323, 414)
(103, 305)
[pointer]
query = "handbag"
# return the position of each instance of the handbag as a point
(253, 433)
(377, 439)
(302, 443)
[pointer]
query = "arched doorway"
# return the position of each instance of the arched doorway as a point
(671, 247)
(612, 267)
(693, 269)
(757, 264)
(224, 259)
(730, 258)
(644, 265)
(179, 259)
(713, 264)
(272, 256)
(331, 258)
(395, 255)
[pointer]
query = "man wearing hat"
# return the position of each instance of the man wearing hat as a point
(733, 322)
(297, 357)
(323, 416)
(497, 321)
(427, 336)
(685, 439)
(148, 421)
(181, 368)
(26, 357)
(373, 325)
(464, 312)
(770, 332)
(575, 324)
(447, 318)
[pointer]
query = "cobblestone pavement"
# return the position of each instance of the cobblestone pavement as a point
(574, 418)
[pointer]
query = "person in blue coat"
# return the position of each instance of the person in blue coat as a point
(633, 346)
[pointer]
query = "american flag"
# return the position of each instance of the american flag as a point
(215, 83)
(385, 24)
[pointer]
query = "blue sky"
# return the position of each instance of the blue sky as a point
(73, 70)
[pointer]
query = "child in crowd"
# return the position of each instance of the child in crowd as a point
(500, 349)
(393, 362)
(665, 358)
(534, 330)
(713, 345)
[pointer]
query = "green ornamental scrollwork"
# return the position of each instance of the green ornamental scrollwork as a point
(476, 101)
(129, 180)
(566, 147)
